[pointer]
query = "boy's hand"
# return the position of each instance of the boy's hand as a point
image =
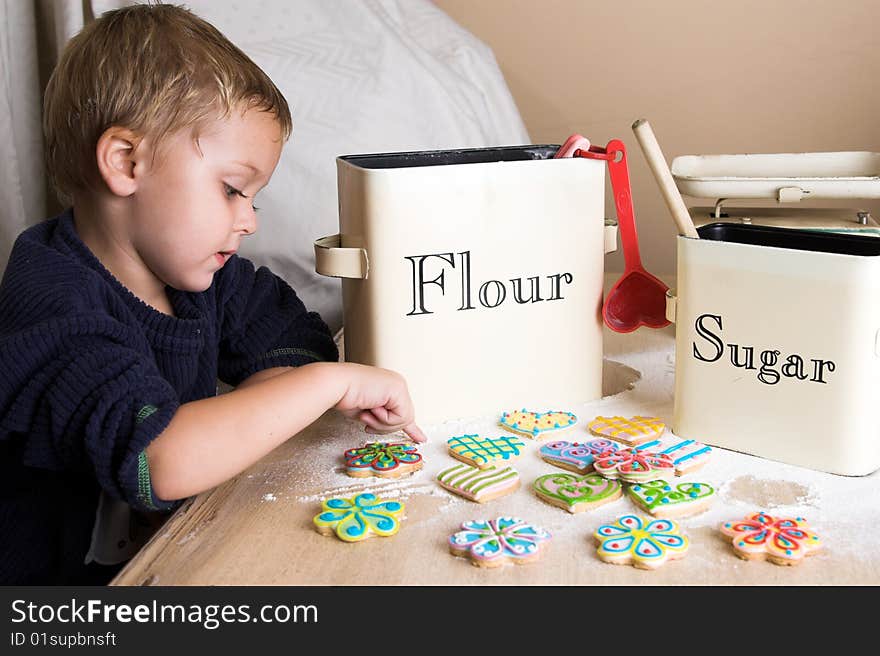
(380, 399)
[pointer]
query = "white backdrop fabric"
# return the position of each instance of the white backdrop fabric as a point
(361, 76)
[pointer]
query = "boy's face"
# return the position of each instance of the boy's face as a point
(192, 209)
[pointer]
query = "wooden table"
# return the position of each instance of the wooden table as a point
(257, 528)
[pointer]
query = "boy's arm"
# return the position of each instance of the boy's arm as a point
(265, 374)
(211, 440)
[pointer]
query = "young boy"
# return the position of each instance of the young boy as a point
(118, 316)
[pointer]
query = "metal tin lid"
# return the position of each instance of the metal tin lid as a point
(783, 177)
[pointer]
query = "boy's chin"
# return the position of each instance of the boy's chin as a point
(195, 284)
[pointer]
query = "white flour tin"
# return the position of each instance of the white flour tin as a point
(477, 274)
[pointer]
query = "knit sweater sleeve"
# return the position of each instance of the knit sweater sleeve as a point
(78, 397)
(264, 324)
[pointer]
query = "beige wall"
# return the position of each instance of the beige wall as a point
(741, 76)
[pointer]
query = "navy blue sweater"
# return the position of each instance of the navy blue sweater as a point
(90, 374)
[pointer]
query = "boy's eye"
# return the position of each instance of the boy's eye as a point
(231, 192)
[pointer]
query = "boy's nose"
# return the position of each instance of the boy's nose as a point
(247, 222)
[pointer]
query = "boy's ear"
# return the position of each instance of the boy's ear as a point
(118, 159)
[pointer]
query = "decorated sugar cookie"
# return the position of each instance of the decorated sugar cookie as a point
(480, 485)
(359, 518)
(667, 500)
(383, 459)
(629, 430)
(577, 493)
(536, 424)
(483, 451)
(500, 541)
(575, 456)
(687, 455)
(782, 541)
(640, 542)
(634, 466)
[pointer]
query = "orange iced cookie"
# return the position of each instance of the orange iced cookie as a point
(782, 541)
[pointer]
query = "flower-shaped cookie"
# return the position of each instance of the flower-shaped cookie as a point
(384, 459)
(644, 544)
(631, 430)
(534, 424)
(577, 493)
(575, 456)
(634, 466)
(483, 451)
(359, 518)
(499, 541)
(663, 499)
(781, 541)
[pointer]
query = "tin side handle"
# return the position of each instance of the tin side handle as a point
(671, 305)
(337, 262)
(610, 236)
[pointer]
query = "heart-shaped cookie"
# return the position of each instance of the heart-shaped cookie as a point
(534, 424)
(576, 456)
(482, 452)
(629, 430)
(577, 493)
(480, 485)
(665, 500)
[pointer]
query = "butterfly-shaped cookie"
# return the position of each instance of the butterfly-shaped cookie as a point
(634, 466)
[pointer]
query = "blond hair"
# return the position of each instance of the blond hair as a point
(154, 69)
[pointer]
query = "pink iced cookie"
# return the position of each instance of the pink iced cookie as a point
(498, 542)
(635, 466)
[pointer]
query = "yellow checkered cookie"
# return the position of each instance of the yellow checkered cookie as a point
(632, 430)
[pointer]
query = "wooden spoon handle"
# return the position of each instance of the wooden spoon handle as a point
(663, 176)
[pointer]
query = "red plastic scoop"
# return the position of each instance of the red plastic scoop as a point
(638, 298)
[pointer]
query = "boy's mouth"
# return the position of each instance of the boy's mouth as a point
(223, 256)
